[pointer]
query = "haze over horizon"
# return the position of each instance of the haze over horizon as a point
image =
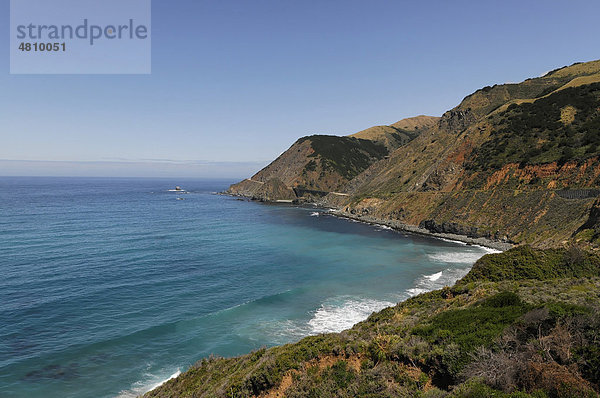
(234, 85)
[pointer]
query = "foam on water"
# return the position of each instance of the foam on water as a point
(282, 332)
(427, 283)
(174, 375)
(342, 313)
(489, 250)
(434, 277)
(385, 227)
(456, 257)
(148, 384)
(453, 241)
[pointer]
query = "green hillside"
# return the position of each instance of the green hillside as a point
(533, 334)
(562, 127)
(347, 156)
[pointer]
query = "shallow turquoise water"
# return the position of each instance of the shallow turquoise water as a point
(110, 286)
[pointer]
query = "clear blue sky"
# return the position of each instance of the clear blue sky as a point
(239, 81)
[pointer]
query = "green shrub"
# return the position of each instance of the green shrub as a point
(588, 357)
(524, 262)
(475, 388)
(560, 310)
(340, 374)
(458, 332)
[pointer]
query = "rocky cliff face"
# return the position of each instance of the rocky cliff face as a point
(456, 120)
(515, 162)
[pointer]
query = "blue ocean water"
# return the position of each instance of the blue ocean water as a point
(110, 286)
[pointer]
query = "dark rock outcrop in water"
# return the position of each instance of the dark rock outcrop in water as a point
(450, 228)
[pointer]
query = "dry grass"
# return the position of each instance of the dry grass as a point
(567, 115)
(417, 122)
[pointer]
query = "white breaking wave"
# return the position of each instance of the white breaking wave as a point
(427, 283)
(340, 313)
(174, 375)
(314, 214)
(142, 387)
(281, 332)
(415, 291)
(434, 277)
(385, 227)
(489, 250)
(332, 317)
(457, 257)
(458, 242)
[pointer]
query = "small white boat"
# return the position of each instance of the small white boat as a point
(178, 189)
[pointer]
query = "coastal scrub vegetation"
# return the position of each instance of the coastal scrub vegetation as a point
(523, 323)
(558, 128)
(524, 262)
(347, 156)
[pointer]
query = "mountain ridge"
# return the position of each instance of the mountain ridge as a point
(477, 170)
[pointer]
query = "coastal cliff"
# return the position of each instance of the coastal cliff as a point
(512, 165)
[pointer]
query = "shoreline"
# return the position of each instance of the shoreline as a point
(399, 226)
(395, 225)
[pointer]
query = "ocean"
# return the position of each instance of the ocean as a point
(108, 287)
